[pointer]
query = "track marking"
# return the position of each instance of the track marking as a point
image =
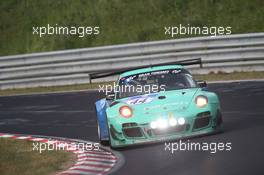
(92, 162)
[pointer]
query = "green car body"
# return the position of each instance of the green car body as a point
(158, 116)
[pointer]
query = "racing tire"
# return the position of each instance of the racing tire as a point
(102, 142)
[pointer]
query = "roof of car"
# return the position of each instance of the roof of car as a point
(150, 69)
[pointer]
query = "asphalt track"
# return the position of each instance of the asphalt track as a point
(72, 115)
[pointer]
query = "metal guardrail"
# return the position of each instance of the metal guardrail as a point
(241, 52)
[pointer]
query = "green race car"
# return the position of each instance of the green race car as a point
(157, 103)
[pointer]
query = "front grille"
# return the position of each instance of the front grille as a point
(132, 132)
(204, 114)
(201, 122)
(127, 125)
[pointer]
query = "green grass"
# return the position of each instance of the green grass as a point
(18, 157)
(206, 77)
(120, 21)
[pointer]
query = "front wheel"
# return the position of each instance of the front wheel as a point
(102, 142)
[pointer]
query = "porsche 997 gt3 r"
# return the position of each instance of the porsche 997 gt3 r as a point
(173, 106)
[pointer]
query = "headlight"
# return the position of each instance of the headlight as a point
(201, 101)
(162, 123)
(153, 125)
(125, 111)
(172, 122)
(181, 121)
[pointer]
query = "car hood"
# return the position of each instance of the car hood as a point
(176, 100)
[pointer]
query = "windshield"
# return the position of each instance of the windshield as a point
(156, 81)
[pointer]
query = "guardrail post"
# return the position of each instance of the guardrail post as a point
(201, 63)
(89, 79)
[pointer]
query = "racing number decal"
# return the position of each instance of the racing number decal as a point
(141, 100)
(137, 101)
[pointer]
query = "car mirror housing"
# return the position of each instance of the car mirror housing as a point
(202, 83)
(110, 96)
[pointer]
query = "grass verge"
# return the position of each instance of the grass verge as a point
(120, 21)
(208, 77)
(18, 157)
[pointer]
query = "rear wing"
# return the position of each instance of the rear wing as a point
(107, 73)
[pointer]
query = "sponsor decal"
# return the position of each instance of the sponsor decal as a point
(141, 99)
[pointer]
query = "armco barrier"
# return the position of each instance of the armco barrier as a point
(241, 52)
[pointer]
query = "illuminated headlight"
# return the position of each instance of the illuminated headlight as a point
(201, 101)
(125, 111)
(181, 121)
(162, 123)
(172, 122)
(154, 125)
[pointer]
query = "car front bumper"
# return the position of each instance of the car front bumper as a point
(134, 133)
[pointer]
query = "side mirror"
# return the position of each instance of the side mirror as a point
(202, 83)
(110, 96)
